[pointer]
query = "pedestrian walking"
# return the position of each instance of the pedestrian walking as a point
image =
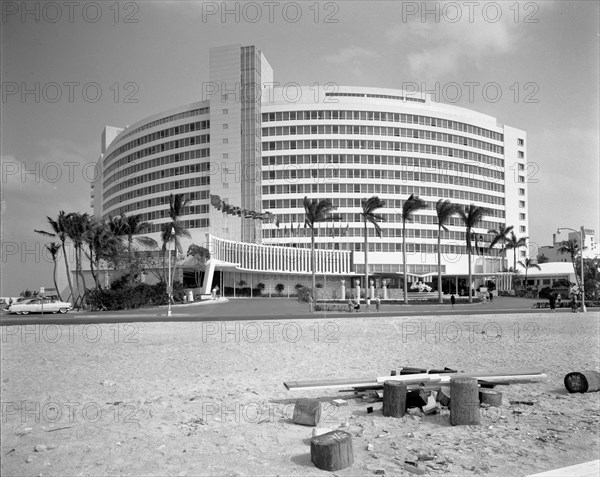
(311, 307)
(558, 301)
(368, 304)
(377, 303)
(491, 296)
(552, 300)
(452, 300)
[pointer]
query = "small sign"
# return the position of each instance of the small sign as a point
(42, 290)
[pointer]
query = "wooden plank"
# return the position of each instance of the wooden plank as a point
(330, 383)
(523, 375)
(488, 379)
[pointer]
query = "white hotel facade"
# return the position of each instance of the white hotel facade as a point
(263, 148)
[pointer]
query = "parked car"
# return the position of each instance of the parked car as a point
(37, 305)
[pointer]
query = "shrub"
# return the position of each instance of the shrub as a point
(125, 297)
(279, 288)
(304, 294)
(545, 293)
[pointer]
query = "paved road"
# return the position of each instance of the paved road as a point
(271, 309)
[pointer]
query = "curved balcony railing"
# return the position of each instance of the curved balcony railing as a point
(274, 258)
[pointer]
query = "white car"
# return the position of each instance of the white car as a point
(37, 305)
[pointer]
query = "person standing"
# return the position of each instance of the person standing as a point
(377, 303)
(573, 304)
(552, 300)
(368, 304)
(452, 300)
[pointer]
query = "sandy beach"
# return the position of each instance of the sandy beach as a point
(189, 399)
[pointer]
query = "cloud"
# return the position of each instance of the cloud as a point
(351, 56)
(453, 40)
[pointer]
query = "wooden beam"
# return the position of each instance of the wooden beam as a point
(509, 376)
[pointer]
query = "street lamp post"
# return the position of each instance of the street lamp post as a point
(170, 279)
(581, 234)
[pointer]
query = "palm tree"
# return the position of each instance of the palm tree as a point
(76, 226)
(410, 206)
(54, 249)
(527, 264)
(59, 230)
(132, 225)
(515, 243)
(369, 206)
(177, 204)
(201, 255)
(102, 245)
(572, 248)
(444, 210)
(471, 216)
(315, 211)
(501, 237)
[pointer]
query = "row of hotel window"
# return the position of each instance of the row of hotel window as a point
(403, 190)
(326, 228)
(164, 213)
(157, 201)
(330, 177)
(187, 224)
(311, 130)
(163, 146)
(156, 162)
(197, 168)
(397, 247)
(166, 119)
(386, 233)
(402, 176)
(370, 159)
(331, 172)
(377, 96)
(379, 145)
(380, 116)
(155, 189)
(155, 136)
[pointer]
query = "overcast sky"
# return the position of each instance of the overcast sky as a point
(84, 65)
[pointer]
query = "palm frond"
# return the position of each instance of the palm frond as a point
(147, 241)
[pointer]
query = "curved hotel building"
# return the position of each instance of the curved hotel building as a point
(253, 149)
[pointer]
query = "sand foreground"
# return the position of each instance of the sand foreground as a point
(189, 399)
